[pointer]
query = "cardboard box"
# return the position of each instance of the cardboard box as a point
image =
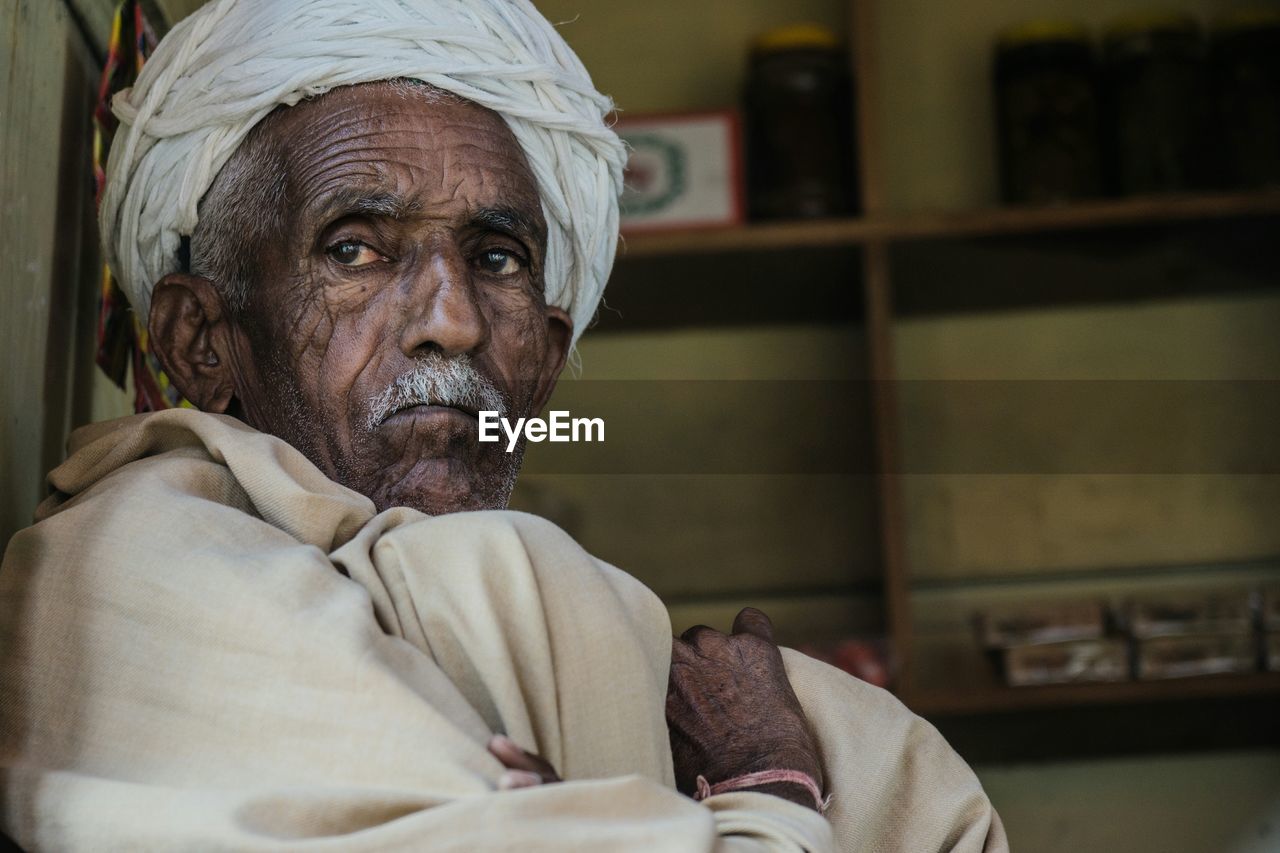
(1067, 663)
(1185, 615)
(1042, 623)
(1187, 656)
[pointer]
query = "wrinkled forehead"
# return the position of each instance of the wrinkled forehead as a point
(409, 147)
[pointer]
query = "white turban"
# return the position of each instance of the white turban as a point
(222, 70)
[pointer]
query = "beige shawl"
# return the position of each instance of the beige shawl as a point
(207, 645)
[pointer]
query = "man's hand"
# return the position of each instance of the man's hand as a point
(524, 769)
(731, 710)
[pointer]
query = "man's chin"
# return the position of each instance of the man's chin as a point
(445, 485)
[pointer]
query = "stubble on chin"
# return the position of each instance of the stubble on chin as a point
(454, 475)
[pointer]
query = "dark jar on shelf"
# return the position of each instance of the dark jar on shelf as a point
(1047, 113)
(1245, 58)
(1157, 106)
(798, 118)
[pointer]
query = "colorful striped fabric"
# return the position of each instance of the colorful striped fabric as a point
(122, 334)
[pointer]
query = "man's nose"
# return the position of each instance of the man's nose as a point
(445, 311)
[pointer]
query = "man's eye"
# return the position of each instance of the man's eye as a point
(500, 262)
(353, 253)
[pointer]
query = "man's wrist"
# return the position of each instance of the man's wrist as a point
(790, 791)
(792, 785)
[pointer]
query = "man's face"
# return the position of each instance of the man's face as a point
(414, 235)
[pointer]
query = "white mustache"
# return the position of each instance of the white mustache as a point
(438, 381)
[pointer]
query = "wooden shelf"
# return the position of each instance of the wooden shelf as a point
(1245, 573)
(1145, 210)
(998, 698)
(868, 272)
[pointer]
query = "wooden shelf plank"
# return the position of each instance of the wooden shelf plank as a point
(1253, 570)
(747, 238)
(1141, 210)
(993, 698)
(1146, 210)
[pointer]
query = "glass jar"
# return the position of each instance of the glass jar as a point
(798, 118)
(1047, 113)
(1245, 58)
(1157, 104)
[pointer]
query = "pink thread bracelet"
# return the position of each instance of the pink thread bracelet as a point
(763, 777)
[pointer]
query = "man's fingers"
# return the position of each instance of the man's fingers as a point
(682, 651)
(518, 760)
(509, 753)
(752, 621)
(513, 779)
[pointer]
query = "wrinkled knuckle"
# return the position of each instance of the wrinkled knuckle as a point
(755, 648)
(699, 634)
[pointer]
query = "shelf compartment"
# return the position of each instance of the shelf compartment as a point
(707, 290)
(1145, 261)
(1229, 718)
(952, 675)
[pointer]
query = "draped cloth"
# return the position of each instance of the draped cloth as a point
(206, 644)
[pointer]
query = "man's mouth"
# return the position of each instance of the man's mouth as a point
(432, 409)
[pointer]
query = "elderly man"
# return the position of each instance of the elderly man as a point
(266, 624)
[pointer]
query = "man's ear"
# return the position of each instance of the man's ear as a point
(190, 335)
(559, 338)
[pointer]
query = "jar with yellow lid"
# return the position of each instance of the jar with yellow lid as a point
(1047, 113)
(798, 121)
(1245, 58)
(1157, 105)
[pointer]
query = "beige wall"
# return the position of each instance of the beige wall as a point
(977, 525)
(1211, 803)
